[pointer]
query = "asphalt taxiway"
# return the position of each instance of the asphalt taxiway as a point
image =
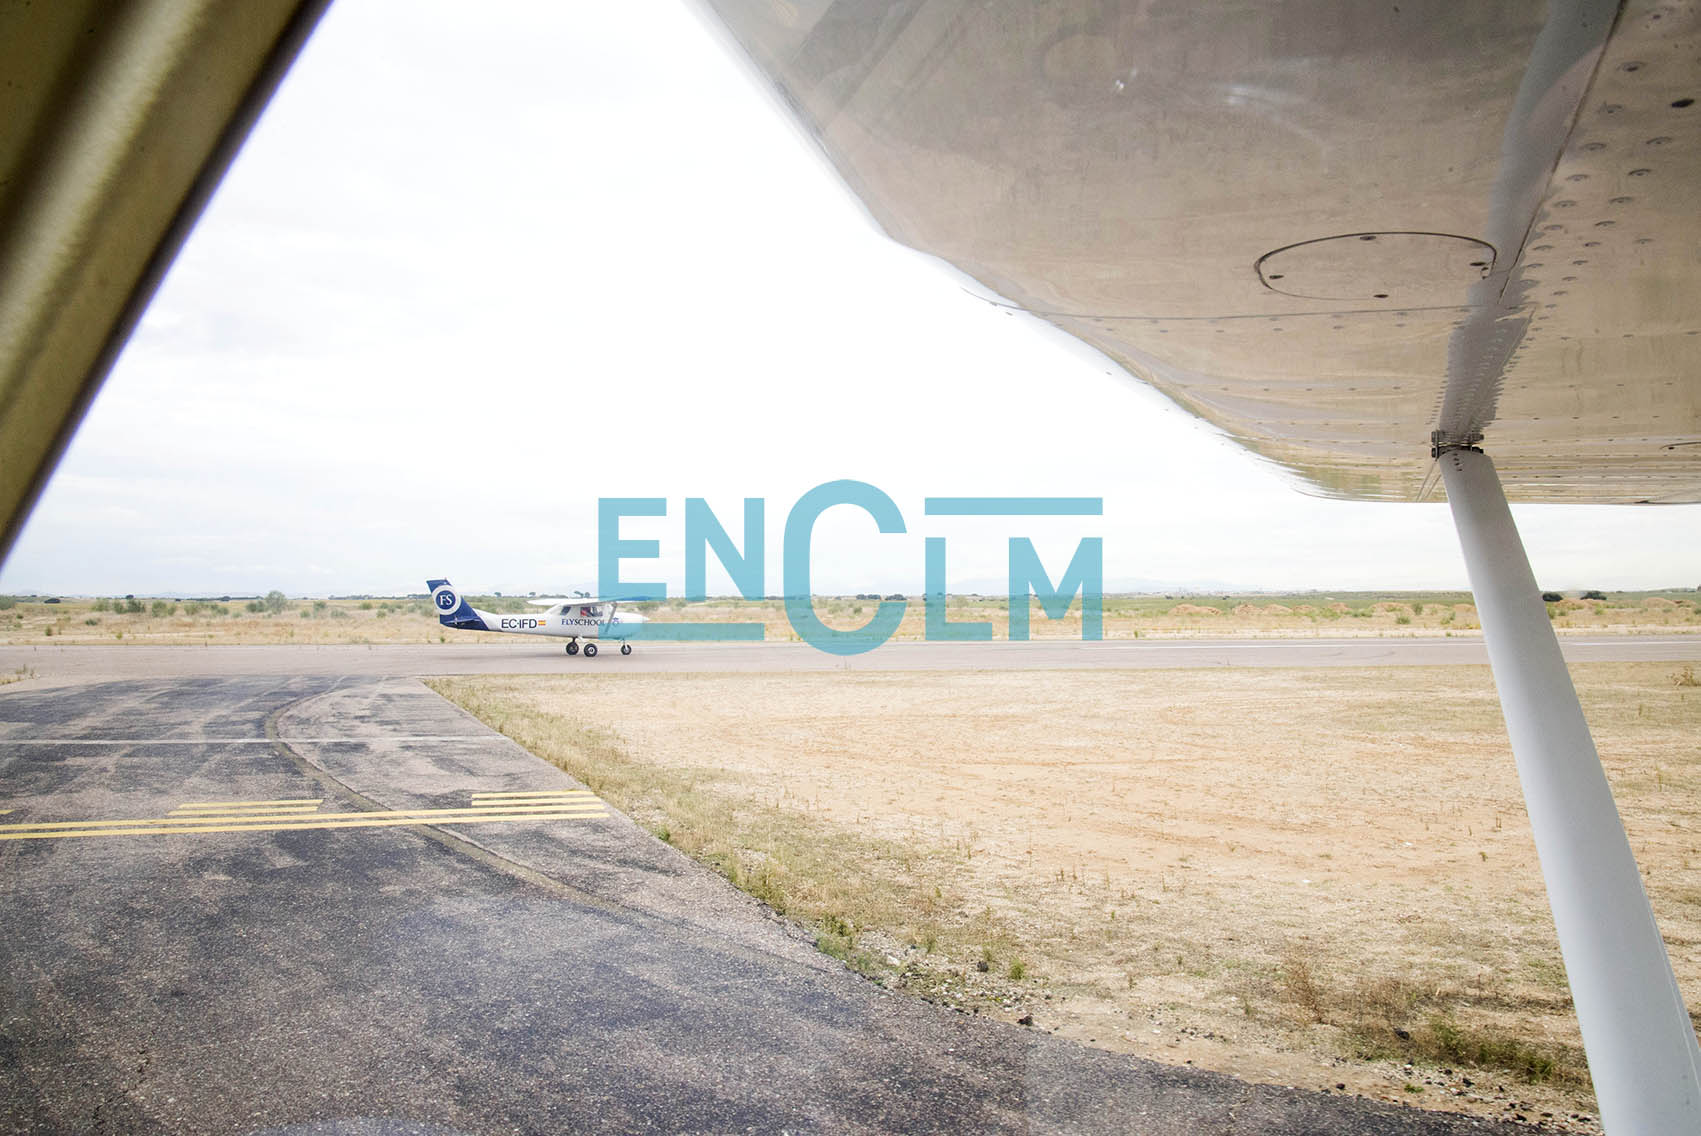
(516, 655)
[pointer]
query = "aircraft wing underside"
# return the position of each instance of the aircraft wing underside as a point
(1333, 229)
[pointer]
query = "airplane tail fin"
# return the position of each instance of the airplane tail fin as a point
(452, 610)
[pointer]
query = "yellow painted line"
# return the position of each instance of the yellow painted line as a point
(279, 810)
(353, 820)
(248, 804)
(204, 818)
(274, 824)
(184, 810)
(306, 820)
(536, 793)
(531, 793)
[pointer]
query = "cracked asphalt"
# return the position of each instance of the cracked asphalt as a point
(545, 974)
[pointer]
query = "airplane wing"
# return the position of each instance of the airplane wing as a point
(1336, 231)
(116, 124)
(1374, 244)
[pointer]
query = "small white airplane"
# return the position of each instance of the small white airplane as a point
(572, 619)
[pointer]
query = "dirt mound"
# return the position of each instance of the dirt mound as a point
(1194, 609)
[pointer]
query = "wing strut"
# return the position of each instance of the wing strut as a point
(1641, 1045)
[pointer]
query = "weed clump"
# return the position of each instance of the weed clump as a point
(1450, 1041)
(1375, 1015)
(1299, 984)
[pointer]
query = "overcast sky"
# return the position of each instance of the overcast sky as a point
(479, 266)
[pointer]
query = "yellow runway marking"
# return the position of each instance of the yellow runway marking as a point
(357, 820)
(249, 804)
(532, 796)
(282, 809)
(297, 820)
(585, 806)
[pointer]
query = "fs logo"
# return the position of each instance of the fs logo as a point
(445, 599)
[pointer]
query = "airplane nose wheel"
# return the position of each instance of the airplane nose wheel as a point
(626, 648)
(590, 650)
(573, 647)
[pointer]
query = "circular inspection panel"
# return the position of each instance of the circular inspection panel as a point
(1405, 270)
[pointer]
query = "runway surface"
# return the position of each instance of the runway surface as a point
(542, 656)
(317, 904)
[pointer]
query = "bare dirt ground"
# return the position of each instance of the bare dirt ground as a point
(1318, 878)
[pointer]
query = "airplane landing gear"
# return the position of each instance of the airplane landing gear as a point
(590, 650)
(626, 648)
(573, 647)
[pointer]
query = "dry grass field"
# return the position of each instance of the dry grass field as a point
(239, 620)
(1320, 878)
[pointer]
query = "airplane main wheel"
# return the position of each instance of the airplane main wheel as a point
(626, 648)
(590, 650)
(573, 647)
